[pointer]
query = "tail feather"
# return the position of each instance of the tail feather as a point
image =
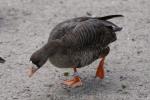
(117, 29)
(109, 17)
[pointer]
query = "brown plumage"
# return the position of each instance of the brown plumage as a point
(77, 42)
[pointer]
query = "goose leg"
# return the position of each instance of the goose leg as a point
(100, 70)
(75, 82)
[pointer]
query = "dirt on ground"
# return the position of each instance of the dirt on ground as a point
(25, 26)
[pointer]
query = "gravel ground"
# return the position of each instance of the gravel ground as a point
(25, 26)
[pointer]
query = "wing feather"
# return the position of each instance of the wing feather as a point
(88, 33)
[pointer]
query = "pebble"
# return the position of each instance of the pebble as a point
(61, 2)
(66, 73)
(133, 39)
(107, 70)
(2, 60)
(123, 86)
(48, 85)
(139, 52)
(122, 78)
(88, 13)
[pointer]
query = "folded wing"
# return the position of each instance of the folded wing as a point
(89, 33)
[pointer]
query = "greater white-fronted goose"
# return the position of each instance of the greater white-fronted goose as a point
(76, 43)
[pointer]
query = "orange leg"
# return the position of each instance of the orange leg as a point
(75, 82)
(100, 70)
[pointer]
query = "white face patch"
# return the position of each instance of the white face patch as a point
(33, 65)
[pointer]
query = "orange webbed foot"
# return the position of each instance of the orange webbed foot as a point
(75, 82)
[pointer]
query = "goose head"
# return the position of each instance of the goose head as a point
(39, 57)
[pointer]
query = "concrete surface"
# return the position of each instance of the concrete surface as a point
(25, 26)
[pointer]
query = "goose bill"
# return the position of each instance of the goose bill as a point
(32, 70)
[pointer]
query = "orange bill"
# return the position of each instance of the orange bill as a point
(31, 71)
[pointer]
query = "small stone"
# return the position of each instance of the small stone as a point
(27, 87)
(48, 85)
(48, 95)
(141, 85)
(2, 60)
(66, 73)
(88, 13)
(107, 70)
(38, 95)
(139, 52)
(122, 78)
(133, 39)
(123, 86)
(61, 2)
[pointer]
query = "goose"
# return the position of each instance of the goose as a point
(76, 43)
